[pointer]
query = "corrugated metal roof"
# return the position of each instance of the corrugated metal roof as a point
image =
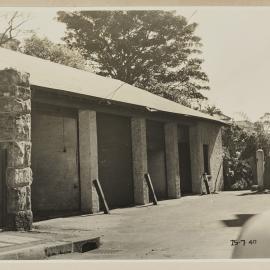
(59, 77)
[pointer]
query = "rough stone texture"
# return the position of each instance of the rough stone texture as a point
(28, 203)
(14, 105)
(172, 160)
(23, 127)
(206, 133)
(19, 154)
(139, 154)
(15, 136)
(14, 77)
(20, 221)
(16, 199)
(18, 177)
(20, 92)
(7, 127)
(88, 160)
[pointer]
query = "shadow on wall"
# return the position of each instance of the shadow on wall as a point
(239, 221)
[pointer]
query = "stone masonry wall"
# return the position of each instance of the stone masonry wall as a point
(15, 136)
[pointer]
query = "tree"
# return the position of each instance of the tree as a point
(12, 27)
(59, 53)
(262, 137)
(238, 147)
(212, 110)
(155, 50)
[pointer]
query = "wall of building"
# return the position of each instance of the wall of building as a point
(122, 143)
(210, 134)
(55, 161)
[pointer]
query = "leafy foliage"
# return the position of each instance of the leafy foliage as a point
(238, 173)
(212, 110)
(12, 44)
(240, 149)
(155, 50)
(59, 53)
(262, 138)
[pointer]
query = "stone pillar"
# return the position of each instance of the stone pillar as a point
(88, 160)
(15, 137)
(172, 160)
(139, 155)
(260, 166)
(196, 157)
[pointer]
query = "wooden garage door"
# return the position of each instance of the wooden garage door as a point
(156, 158)
(185, 168)
(184, 160)
(55, 187)
(115, 159)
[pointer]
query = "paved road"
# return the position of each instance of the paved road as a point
(187, 228)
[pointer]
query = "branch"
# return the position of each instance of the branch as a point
(10, 31)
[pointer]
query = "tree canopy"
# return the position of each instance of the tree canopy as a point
(59, 53)
(155, 50)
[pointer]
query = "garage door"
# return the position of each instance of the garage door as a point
(156, 158)
(55, 188)
(115, 159)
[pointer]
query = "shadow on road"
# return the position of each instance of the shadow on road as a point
(239, 221)
(254, 193)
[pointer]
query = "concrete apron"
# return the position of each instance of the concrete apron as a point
(37, 245)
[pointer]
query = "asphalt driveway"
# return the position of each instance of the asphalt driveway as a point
(191, 227)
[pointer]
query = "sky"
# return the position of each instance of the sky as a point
(236, 50)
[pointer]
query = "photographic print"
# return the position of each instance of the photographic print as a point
(134, 133)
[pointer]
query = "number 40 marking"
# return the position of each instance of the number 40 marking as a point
(252, 242)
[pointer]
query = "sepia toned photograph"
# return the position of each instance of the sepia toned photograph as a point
(134, 133)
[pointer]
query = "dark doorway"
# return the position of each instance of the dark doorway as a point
(3, 190)
(115, 159)
(206, 159)
(184, 167)
(184, 160)
(156, 158)
(55, 187)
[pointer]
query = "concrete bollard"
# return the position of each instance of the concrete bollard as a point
(260, 166)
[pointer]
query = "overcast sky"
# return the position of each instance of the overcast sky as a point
(236, 49)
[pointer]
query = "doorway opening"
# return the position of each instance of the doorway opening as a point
(156, 158)
(184, 160)
(115, 159)
(206, 159)
(55, 187)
